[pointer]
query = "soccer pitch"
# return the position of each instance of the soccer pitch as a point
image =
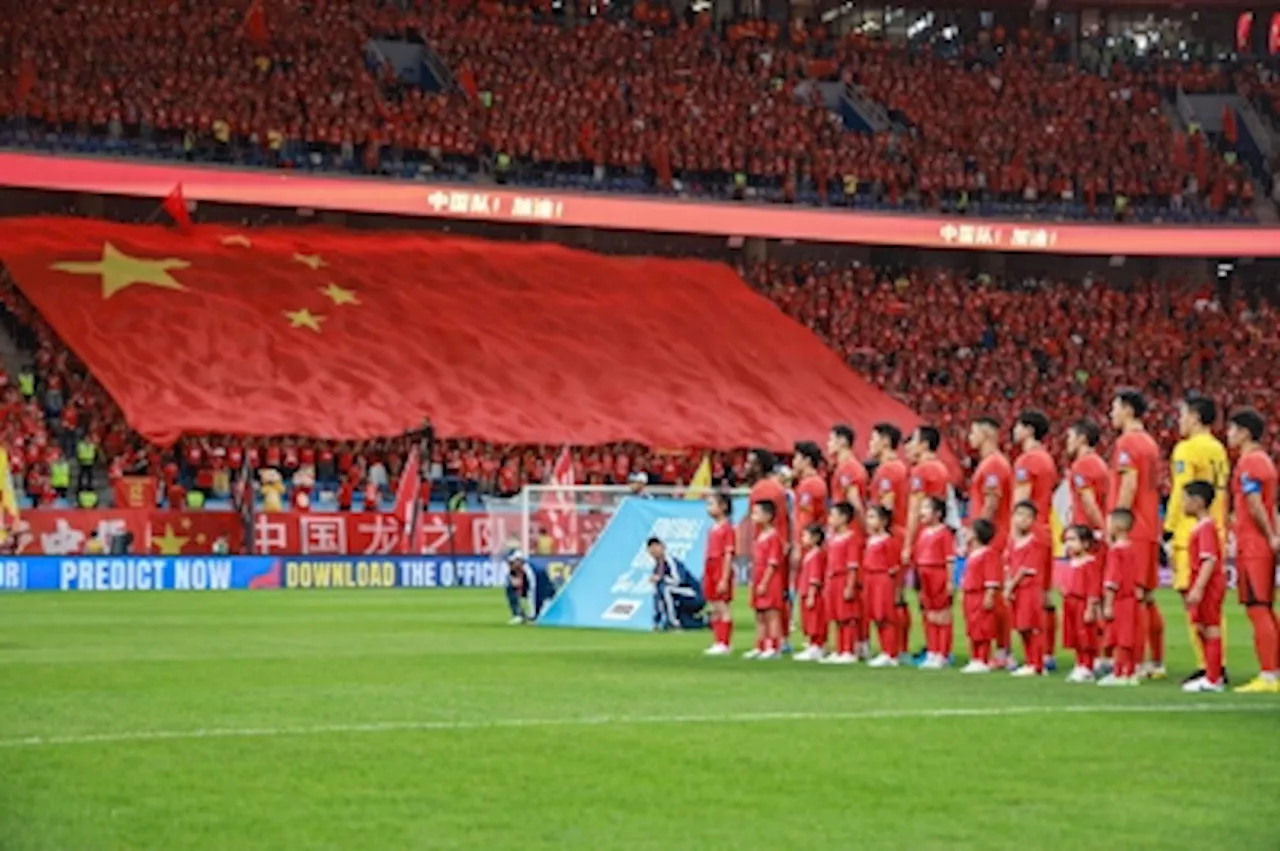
(411, 719)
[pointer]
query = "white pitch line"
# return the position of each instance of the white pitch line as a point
(629, 720)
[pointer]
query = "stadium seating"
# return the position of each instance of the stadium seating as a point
(639, 105)
(950, 346)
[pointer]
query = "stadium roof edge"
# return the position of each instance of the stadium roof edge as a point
(588, 210)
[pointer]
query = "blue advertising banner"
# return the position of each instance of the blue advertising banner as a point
(214, 573)
(610, 588)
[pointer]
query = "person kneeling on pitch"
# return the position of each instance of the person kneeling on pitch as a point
(529, 588)
(677, 594)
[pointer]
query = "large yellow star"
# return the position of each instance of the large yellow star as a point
(169, 544)
(304, 318)
(339, 295)
(312, 261)
(118, 270)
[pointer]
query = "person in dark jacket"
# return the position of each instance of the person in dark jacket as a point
(678, 600)
(529, 588)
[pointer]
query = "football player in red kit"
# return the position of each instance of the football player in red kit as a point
(849, 479)
(991, 498)
(1120, 599)
(880, 561)
(1028, 557)
(1081, 601)
(768, 582)
(1253, 510)
(1208, 584)
(981, 588)
(1135, 483)
(1035, 477)
(934, 557)
(844, 553)
(1089, 483)
(761, 472)
(813, 604)
(717, 572)
(890, 488)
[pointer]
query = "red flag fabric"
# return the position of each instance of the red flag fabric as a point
(1273, 35)
(255, 24)
(176, 206)
(26, 80)
(406, 504)
(467, 82)
(558, 509)
(344, 335)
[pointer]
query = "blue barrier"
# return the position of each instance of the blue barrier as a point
(215, 573)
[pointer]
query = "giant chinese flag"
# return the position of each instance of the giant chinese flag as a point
(342, 335)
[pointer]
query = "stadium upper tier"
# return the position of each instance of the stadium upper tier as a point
(1004, 128)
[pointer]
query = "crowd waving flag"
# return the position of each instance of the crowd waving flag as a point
(343, 335)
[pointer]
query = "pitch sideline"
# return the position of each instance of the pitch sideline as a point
(624, 720)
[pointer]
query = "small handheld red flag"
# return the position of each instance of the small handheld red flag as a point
(176, 206)
(255, 24)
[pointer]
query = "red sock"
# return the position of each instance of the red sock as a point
(726, 632)
(1213, 659)
(982, 651)
(1084, 659)
(1036, 649)
(948, 638)
(888, 631)
(1124, 666)
(1266, 640)
(1140, 636)
(864, 630)
(1050, 632)
(846, 636)
(904, 637)
(1003, 627)
(1155, 633)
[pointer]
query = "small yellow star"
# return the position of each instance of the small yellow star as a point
(118, 270)
(339, 295)
(312, 261)
(237, 239)
(169, 544)
(304, 318)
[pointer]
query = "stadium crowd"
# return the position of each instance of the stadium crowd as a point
(646, 103)
(948, 345)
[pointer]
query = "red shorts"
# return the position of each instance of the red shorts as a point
(774, 596)
(711, 583)
(1256, 580)
(813, 619)
(1208, 612)
(1076, 634)
(879, 597)
(837, 607)
(933, 589)
(1125, 622)
(1027, 606)
(1146, 565)
(979, 624)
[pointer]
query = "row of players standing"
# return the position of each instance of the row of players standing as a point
(859, 537)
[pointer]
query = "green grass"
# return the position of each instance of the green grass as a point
(415, 719)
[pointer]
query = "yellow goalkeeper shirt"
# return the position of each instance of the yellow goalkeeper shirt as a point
(1199, 457)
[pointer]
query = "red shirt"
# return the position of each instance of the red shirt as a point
(811, 503)
(1088, 474)
(1031, 554)
(849, 474)
(813, 568)
(771, 491)
(721, 541)
(1036, 468)
(1137, 451)
(1084, 577)
(1121, 575)
(1254, 473)
(1204, 546)
(935, 546)
(930, 478)
(981, 570)
(843, 552)
(890, 488)
(994, 475)
(768, 551)
(879, 555)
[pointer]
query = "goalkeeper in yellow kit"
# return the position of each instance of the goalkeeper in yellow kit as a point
(1199, 455)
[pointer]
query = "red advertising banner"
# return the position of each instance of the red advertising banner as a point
(135, 492)
(230, 186)
(438, 533)
(154, 532)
